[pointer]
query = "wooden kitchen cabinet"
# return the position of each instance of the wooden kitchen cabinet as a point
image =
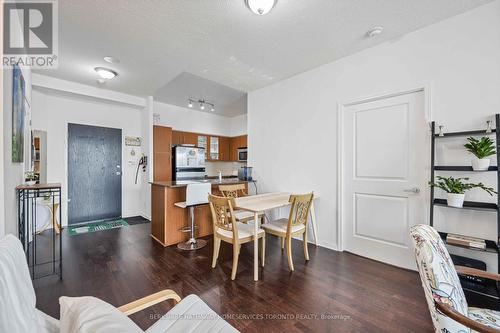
(177, 137)
(217, 148)
(235, 143)
(162, 153)
(224, 149)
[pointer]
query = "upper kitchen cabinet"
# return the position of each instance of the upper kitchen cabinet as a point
(214, 148)
(217, 148)
(177, 137)
(184, 138)
(203, 143)
(235, 143)
(224, 149)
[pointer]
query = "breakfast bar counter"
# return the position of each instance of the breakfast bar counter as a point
(167, 220)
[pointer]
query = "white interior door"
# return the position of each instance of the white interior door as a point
(384, 176)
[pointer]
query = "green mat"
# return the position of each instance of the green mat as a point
(96, 226)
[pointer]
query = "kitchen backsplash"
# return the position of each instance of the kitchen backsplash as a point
(227, 168)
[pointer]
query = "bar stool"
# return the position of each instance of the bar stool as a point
(196, 195)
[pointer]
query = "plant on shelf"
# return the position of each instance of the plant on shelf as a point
(456, 188)
(481, 149)
(30, 178)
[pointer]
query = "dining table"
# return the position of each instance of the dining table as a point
(260, 203)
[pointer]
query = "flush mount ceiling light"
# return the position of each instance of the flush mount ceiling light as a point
(374, 31)
(105, 73)
(261, 7)
(203, 104)
(112, 60)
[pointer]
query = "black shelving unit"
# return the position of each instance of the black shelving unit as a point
(486, 295)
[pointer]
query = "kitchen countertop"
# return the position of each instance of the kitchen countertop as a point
(213, 181)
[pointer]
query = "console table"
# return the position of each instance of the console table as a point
(41, 263)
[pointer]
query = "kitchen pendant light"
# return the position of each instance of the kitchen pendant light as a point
(261, 7)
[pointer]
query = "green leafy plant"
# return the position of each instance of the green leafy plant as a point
(30, 175)
(481, 148)
(457, 186)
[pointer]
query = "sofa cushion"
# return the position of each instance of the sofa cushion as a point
(17, 296)
(191, 315)
(490, 318)
(91, 315)
(244, 230)
(281, 226)
(46, 324)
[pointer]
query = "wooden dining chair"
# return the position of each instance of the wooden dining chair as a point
(227, 229)
(295, 225)
(237, 191)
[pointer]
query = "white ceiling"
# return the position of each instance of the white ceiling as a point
(222, 41)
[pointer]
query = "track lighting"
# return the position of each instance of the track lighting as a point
(203, 104)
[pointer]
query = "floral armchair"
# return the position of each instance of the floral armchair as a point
(445, 298)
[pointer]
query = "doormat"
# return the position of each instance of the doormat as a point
(96, 226)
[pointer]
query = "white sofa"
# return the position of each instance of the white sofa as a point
(18, 313)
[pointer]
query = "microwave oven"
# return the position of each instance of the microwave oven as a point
(242, 154)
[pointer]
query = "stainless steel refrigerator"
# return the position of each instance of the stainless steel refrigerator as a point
(188, 162)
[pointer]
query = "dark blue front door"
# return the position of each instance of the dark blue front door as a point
(94, 173)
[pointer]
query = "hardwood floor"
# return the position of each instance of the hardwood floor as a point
(124, 264)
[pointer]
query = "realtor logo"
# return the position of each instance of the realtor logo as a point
(30, 34)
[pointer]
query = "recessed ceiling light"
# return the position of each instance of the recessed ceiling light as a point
(261, 7)
(105, 73)
(374, 31)
(112, 60)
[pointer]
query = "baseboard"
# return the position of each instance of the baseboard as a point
(326, 246)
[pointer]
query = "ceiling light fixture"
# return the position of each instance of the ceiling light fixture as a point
(105, 73)
(374, 31)
(203, 104)
(261, 7)
(112, 60)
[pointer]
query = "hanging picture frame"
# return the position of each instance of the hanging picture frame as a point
(18, 115)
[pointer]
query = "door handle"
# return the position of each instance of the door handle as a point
(414, 190)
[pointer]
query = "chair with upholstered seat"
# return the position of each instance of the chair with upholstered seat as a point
(295, 225)
(227, 229)
(18, 313)
(444, 294)
(237, 191)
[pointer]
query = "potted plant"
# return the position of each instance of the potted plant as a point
(30, 178)
(481, 148)
(456, 188)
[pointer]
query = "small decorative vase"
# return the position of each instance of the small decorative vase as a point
(480, 164)
(456, 200)
(30, 182)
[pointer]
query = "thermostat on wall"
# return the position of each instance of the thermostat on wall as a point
(132, 141)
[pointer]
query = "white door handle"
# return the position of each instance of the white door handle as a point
(414, 190)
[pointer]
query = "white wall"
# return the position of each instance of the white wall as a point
(53, 111)
(188, 120)
(13, 173)
(292, 124)
(238, 125)
(2, 203)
